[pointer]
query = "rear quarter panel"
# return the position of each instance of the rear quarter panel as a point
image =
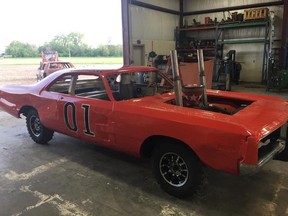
(12, 98)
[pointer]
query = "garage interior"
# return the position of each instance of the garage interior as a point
(73, 177)
(245, 40)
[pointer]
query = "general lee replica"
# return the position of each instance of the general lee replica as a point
(142, 112)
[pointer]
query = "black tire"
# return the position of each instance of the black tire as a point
(177, 169)
(36, 130)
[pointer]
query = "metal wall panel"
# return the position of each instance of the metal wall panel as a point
(153, 29)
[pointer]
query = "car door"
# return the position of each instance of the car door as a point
(48, 103)
(85, 112)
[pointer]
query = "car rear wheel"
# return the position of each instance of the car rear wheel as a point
(37, 131)
(177, 169)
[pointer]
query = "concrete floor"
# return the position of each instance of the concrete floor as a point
(72, 177)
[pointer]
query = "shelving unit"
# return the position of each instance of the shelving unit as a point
(215, 49)
(186, 46)
(220, 40)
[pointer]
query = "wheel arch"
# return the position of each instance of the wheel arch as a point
(151, 142)
(25, 109)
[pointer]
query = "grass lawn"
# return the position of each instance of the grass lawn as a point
(74, 60)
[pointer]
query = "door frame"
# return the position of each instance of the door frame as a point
(142, 46)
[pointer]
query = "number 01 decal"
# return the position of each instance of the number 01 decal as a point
(87, 130)
(71, 121)
(71, 109)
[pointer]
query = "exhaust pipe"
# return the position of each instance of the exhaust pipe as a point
(176, 78)
(202, 75)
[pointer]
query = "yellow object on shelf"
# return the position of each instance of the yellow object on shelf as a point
(254, 14)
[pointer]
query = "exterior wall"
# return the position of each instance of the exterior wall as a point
(249, 55)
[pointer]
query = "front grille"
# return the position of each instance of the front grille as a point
(266, 144)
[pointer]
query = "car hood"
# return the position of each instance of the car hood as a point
(261, 117)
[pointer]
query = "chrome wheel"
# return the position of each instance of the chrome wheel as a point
(177, 168)
(35, 126)
(173, 169)
(38, 132)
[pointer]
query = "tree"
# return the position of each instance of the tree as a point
(103, 50)
(75, 38)
(115, 50)
(19, 49)
(66, 45)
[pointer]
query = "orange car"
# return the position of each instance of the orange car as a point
(49, 67)
(133, 110)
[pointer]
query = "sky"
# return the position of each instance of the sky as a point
(36, 22)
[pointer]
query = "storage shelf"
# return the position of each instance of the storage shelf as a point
(198, 28)
(243, 25)
(194, 58)
(225, 26)
(243, 41)
(220, 41)
(195, 49)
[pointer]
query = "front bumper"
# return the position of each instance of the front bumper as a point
(278, 147)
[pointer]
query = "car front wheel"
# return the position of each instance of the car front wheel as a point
(36, 130)
(177, 169)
